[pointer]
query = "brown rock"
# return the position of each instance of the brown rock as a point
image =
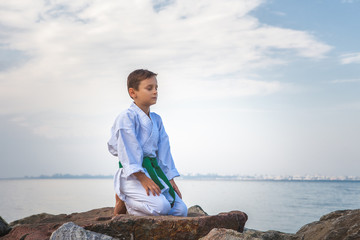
(31, 232)
(338, 225)
(41, 226)
(168, 227)
(127, 227)
(32, 219)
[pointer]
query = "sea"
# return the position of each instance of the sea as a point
(271, 205)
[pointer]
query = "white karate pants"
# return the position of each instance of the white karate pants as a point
(138, 203)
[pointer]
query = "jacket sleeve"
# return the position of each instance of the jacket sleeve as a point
(125, 145)
(165, 158)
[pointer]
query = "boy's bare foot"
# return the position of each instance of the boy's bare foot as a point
(120, 207)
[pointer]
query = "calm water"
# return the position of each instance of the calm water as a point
(283, 206)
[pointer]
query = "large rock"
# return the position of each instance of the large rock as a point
(4, 227)
(338, 225)
(71, 231)
(126, 227)
(41, 226)
(168, 227)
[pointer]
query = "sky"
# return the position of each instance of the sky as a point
(246, 87)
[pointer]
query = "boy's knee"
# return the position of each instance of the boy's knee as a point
(164, 208)
(180, 209)
(160, 206)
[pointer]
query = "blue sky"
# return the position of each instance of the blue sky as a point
(250, 87)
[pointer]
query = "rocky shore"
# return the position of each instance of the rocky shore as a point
(99, 224)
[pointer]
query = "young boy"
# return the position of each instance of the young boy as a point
(144, 183)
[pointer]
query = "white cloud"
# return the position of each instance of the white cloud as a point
(81, 52)
(349, 1)
(278, 13)
(350, 58)
(354, 80)
(230, 88)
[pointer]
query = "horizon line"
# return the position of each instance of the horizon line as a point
(211, 176)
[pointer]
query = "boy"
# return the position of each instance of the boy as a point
(144, 183)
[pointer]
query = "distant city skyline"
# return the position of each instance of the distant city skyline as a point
(246, 87)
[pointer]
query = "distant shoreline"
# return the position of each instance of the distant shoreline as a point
(207, 177)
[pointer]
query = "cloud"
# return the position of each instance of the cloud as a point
(80, 52)
(350, 58)
(231, 88)
(278, 13)
(354, 80)
(349, 1)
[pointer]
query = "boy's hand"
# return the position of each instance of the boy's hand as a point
(148, 184)
(175, 187)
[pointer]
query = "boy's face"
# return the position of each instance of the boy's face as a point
(147, 93)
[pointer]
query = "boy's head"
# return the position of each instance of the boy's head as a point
(137, 76)
(142, 88)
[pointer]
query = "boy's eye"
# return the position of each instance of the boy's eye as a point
(150, 88)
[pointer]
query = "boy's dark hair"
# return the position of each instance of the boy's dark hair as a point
(137, 76)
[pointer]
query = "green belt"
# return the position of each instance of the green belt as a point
(151, 165)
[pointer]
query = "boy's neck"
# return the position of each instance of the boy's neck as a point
(145, 109)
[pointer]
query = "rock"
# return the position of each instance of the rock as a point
(268, 235)
(222, 234)
(196, 211)
(71, 231)
(249, 234)
(32, 219)
(4, 227)
(41, 226)
(168, 227)
(31, 232)
(338, 225)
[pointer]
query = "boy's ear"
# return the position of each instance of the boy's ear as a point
(132, 93)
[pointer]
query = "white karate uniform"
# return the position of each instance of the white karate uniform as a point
(134, 136)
